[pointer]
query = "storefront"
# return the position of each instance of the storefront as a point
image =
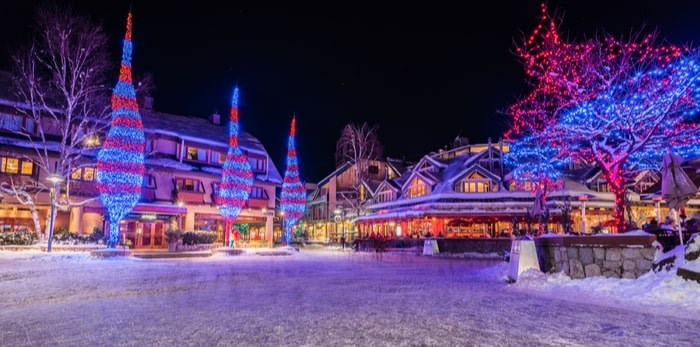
(146, 225)
(246, 228)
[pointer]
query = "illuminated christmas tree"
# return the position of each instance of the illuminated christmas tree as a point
(120, 162)
(237, 176)
(293, 196)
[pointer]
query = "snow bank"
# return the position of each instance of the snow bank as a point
(662, 292)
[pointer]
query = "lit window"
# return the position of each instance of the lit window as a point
(198, 154)
(75, 175)
(89, 174)
(27, 168)
(188, 184)
(10, 165)
(417, 188)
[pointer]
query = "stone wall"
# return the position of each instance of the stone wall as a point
(618, 256)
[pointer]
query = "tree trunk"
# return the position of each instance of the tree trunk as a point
(37, 223)
(616, 186)
(113, 234)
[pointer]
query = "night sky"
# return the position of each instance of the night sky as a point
(424, 72)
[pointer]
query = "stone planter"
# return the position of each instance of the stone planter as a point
(172, 246)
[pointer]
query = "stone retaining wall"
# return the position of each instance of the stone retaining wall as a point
(445, 245)
(587, 256)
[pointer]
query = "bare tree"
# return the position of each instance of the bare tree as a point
(359, 145)
(61, 84)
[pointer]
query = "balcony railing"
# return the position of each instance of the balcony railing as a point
(188, 196)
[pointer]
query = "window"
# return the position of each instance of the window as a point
(83, 174)
(258, 193)
(198, 154)
(416, 188)
(476, 183)
(188, 184)
(16, 123)
(385, 196)
(149, 181)
(257, 164)
(16, 166)
(217, 157)
(373, 170)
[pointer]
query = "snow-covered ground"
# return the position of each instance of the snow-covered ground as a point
(310, 299)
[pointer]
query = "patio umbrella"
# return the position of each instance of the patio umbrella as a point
(676, 187)
(539, 207)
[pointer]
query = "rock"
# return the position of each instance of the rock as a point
(599, 253)
(692, 250)
(631, 253)
(688, 274)
(572, 252)
(628, 265)
(628, 274)
(585, 255)
(611, 265)
(665, 264)
(647, 253)
(610, 274)
(576, 269)
(613, 254)
(643, 265)
(592, 270)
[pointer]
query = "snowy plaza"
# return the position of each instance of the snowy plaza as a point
(327, 298)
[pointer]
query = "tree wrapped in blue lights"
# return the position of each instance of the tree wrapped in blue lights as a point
(120, 162)
(237, 175)
(536, 161)
(631, 125)
(293, 196)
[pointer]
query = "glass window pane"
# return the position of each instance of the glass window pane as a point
(75, 175)
(215, 157)
(12, 165)
(27, 168)
(3, 163)
(191, 153)
(88, 174)
(201, 155)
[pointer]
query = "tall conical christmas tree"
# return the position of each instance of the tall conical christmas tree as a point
(293, 197)
(237, 176)
(120, 162)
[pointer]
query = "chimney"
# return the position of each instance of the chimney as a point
(216, 118)
(148, 103)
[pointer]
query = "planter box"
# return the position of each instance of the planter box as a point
(193, 248)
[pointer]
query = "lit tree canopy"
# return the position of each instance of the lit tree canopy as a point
(120, 162)
(237, 175)
(293, 196)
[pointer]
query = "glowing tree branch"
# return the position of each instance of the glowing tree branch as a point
(635, 122)
(120, 162)
(237, 175)
(293, 196)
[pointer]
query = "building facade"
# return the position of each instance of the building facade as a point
(467, 192)
(183, 171)
(342, 196)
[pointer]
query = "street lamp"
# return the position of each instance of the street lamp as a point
(55, 180)
(339, 218)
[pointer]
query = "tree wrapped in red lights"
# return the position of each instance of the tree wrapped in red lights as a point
(618, 103)
(293, 196)
(237, 175)
(120, 162)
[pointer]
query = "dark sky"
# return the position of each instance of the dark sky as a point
(424, 72)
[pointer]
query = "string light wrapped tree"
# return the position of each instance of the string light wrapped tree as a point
(120, 162)
(293, 196)
(616, 102)
(237, 175)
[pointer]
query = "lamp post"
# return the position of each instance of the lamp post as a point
(339, 218)
(55, 180)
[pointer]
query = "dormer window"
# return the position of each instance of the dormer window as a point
(417, 188)
(476, 183)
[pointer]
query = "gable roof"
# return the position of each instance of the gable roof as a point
(475, 168)
(422, 175)
(389, 184)
(338, 171)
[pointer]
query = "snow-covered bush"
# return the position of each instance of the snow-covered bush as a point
(198, 237)
(17, 238)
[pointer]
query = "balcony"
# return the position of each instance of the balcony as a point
(188, 196)
(256, 203)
